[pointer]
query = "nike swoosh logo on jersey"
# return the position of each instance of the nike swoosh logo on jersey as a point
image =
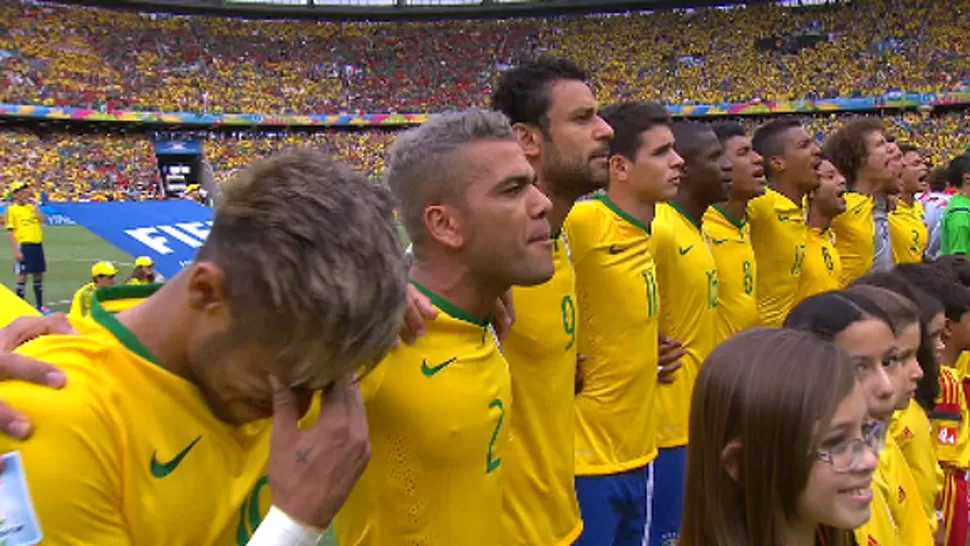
(160, 470)
(685, 250)
(614, 250)
(718, 241)
(430, 371)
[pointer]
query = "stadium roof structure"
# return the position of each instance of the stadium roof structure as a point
(398, 9)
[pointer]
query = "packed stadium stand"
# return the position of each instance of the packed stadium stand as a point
(74, 56)
(108, 60)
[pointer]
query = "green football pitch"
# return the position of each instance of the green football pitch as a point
(70, 253)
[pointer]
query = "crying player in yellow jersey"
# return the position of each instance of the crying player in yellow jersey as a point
(161, 435)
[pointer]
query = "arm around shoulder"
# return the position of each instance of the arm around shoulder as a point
(72, 461)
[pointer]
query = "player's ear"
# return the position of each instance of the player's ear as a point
(731, 459)
(529, 138)
(619, 167)
(206, 287)
(777, 163)
(444, 225)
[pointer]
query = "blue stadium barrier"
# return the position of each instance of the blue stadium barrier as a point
(170, 232)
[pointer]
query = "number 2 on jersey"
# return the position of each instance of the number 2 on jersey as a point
(491, 461)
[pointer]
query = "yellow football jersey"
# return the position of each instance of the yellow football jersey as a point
(688, 281)
(855, 236)
(539, 494)
(126, 442)
(911, 430)
(778, 235)
(25, 224)
(12, 307)
(616, 427)
(822, 268)
(730, 239)
(907, 232)
(904, 500)
(881, 529)
(438, 414)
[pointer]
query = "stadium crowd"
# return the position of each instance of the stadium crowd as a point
(74, 56)
(94, 166)
(77, 165)
(769, 296)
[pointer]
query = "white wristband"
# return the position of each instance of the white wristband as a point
(278, 529)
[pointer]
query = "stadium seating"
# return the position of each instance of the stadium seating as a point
(76, 56)
(79, 166)
(106, 60)
(102, 166)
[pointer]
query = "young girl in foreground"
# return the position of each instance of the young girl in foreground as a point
(781, 449)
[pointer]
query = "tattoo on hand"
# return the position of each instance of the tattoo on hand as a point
(303, 456)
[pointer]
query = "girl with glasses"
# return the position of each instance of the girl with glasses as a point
(782, 451)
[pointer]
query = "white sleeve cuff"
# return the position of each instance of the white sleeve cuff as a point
(278, 529)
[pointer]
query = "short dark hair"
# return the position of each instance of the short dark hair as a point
(629, 120)
(686, 136)
(956, 264)
(937, 179)
(522, 93)
(958, 168)
(726, 130)
(769, 140)
(846, 147)
(940, 283)
(906, 147)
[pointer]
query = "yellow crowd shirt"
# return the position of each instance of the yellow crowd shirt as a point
(539, 492)
(730, 240)
(126, 441)
(438, 415)
(688, 280)
(25, 224)
(822, 268)
(616, 427)
(778, 236)
(907, 232)
(911, 430)
(855, 236)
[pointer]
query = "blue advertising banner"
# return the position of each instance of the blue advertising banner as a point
(170, 232)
